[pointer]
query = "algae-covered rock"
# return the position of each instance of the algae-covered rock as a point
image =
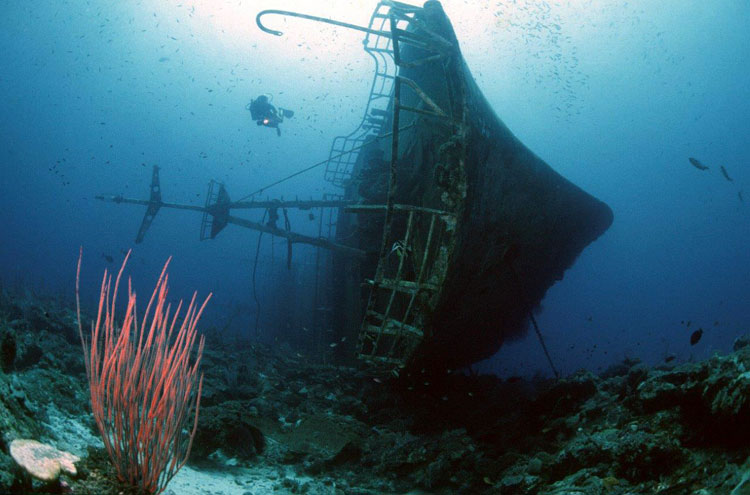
(568, 394)
(8, 351)
(229, 428)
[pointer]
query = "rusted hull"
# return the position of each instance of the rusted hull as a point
(518, 224)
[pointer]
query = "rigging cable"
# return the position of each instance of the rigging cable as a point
(255, 267)
(512, 252)
(299, 172)
(288, 228)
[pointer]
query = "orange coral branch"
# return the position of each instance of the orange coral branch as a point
(141, 381)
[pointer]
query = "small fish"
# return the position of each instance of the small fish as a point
(108, 258)
(739, 195)
(400, 248)
(695, 337)
(669, 358)
(697, 164)
(725, 174)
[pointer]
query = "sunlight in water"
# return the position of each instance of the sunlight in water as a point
(237, 19)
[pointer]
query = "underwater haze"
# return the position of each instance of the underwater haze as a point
(615, 95)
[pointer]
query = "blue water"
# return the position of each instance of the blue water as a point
(614, 95)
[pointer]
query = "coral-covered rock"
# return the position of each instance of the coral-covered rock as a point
(42, 461)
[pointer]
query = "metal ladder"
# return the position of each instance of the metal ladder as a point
(401, 292)
(216, 211)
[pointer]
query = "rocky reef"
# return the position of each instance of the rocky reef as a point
(274, 421)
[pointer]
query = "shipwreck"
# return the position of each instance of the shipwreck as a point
(448, 231)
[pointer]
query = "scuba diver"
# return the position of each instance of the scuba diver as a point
(265, 114)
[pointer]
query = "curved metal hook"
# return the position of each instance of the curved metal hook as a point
(262, 27)
(313, 18)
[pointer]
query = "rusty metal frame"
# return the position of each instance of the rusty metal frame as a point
(404, 337)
